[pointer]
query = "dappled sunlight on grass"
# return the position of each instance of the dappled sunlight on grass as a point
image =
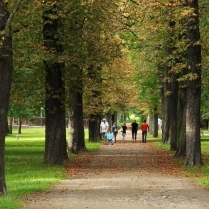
(24, 167)
(25, 171)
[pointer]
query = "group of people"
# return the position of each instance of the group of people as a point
(111, 136)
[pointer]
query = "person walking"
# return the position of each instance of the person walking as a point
(134, 129)
(114, 132)
(124, 128)
(144, 128)
(104, 126)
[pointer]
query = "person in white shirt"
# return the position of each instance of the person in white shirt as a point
(104, 126)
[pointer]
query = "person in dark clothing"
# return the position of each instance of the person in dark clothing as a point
(123, 130)
(115, 132)
(134, 129)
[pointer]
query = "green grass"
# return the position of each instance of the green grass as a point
(93, 146)
(24, 168)
(200, 174)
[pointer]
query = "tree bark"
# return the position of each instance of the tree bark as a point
(181, 125)
(173, 113)
(114, 117)
(94, 128)
(94, 74)
(73, 132)
(76, 126)
(10, 125)
(5, 85)
(55, 143)
(166, 109)
(109, 120)
(155, 122)
(151, 123)
(193, 147)
(19, 126)
(171, 89)
(80, 126)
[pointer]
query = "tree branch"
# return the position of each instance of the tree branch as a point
(8, 23)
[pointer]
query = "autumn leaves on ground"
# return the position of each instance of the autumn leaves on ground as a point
(149, 158)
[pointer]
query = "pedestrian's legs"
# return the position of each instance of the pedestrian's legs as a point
(132, 134)
(105, 137)
(142, 137)
(145, 137)
(107, 141)
(135, 134)
(123, 134)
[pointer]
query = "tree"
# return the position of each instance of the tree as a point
(193, 148)
(140, 36)
(5, 80)
(76, 128)
(102, 48)
(94, 75)
(74, 20)
(177, 53)
(55, 145)
(20, 113)
(203, 9)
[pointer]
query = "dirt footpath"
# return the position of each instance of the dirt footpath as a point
(121, 176)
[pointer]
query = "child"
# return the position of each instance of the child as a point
(109, 138)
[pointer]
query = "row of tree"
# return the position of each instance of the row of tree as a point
(65, 56)
(93, 58)
(166, 36)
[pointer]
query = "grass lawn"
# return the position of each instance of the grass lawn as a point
(24, 168)
(201, 174)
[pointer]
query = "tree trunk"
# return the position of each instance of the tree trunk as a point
(155, 122)
(170, 89)
(114, 117)
(109, 120)
(80, 126)
(181, 126)
(55, 143)
(76, 130)
(173, 113)
(94, 74)
(166, 109)
(5, 85)
(7, 125)
(161, 80)
(151, 123)
(10, 125)
(94, 128)
(73, 132)
(19, 126)
(193, 147)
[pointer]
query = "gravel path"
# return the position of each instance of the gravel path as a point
(121, 176)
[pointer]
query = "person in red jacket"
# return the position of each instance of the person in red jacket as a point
(144, 128)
